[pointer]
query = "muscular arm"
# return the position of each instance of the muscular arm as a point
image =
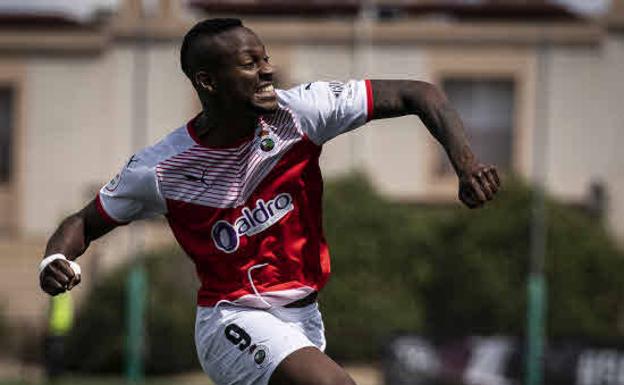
(392, 98)
(71, 238)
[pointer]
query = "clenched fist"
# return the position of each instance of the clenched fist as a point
(478, 185)
(58, 276)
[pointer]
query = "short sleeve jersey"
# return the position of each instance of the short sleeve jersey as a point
(249, 215)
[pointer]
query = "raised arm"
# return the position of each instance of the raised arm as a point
(71, 239)
(478, 183)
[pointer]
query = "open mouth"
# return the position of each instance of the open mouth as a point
(267, 90)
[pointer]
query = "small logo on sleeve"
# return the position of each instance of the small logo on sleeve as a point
(226, 235)
(114, 183)
(336, 87)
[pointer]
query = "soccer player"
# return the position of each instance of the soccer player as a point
(241, 188)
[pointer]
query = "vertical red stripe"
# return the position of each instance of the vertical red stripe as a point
(369, 100)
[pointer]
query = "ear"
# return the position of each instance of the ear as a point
(204, 81)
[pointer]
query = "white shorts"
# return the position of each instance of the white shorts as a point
(243, 346)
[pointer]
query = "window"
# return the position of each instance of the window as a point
(6, 134)
(486, 107)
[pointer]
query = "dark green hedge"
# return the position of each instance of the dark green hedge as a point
(97, 343)
(440, 271)
(455, 271)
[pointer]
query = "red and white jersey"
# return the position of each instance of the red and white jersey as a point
(248, 215)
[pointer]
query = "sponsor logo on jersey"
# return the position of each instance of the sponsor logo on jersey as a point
(226, 235)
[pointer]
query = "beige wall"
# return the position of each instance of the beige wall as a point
(581, 98)
(578, 141)
(79, 122)
(385, 150)
(614, 86)
(77, 133)
(77, 128)
(400, 155)
(172, 100)
(68, 121)
(394, 152)
(585, 116)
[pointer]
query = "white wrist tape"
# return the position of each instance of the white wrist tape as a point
(49, 259)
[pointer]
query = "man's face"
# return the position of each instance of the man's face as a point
(243, 75)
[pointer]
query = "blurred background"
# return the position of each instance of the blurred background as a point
(423, 291)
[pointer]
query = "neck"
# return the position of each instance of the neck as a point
(219, 126)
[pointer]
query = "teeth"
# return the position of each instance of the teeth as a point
(268, 88)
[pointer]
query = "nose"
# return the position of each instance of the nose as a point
(266, 70)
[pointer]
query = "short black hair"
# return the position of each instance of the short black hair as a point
(208, 27)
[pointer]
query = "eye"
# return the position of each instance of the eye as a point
(267, 58)
(249, 65)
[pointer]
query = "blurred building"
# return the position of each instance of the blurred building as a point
(520, 73)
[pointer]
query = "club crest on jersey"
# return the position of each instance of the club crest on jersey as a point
(267, 142)
(226, 235)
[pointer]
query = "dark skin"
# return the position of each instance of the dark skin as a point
(230, 89)
(235, 90)
(71, 238)
(478, 183)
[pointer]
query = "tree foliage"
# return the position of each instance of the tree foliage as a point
(97, 343)
(453, 271)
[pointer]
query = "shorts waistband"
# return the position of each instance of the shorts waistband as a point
(303, 302)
